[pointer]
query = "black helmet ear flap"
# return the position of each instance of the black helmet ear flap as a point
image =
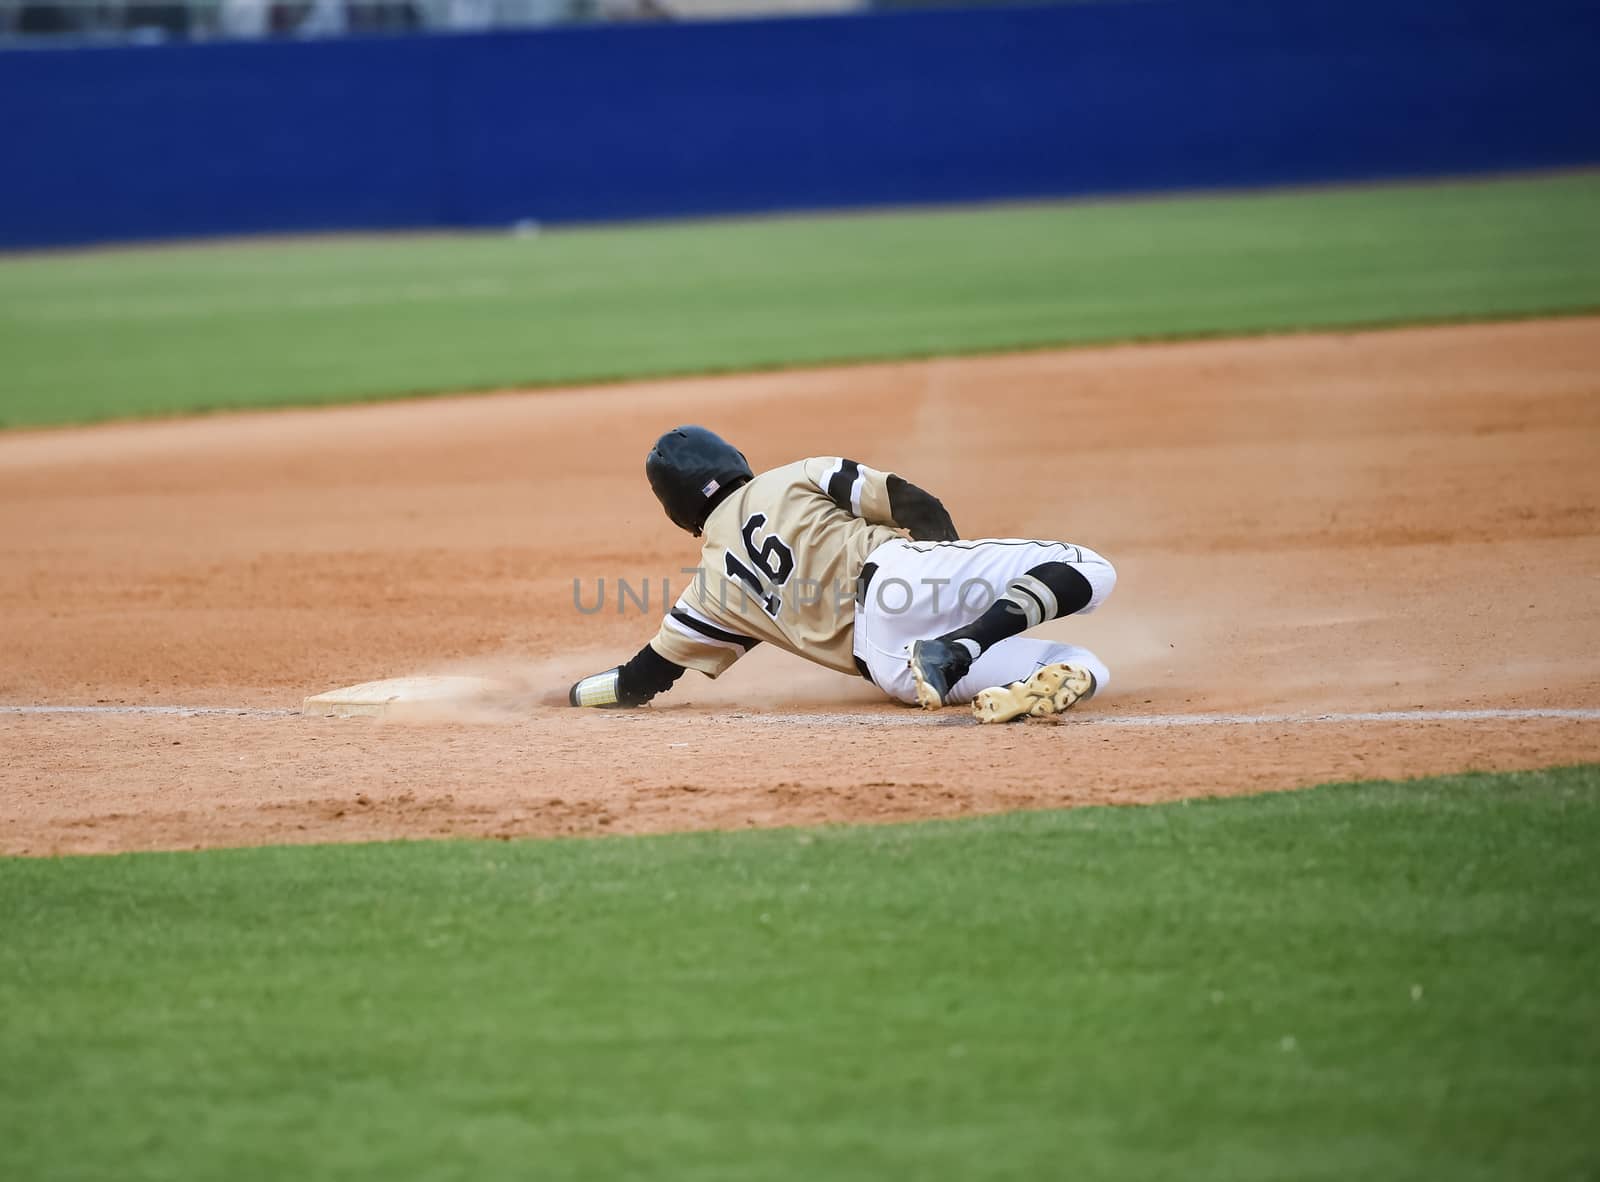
(691, 471)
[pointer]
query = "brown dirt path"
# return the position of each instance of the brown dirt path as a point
(1317, 523)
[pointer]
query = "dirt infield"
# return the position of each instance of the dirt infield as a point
(1361, 522)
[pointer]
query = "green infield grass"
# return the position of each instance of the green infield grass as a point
(1385, 980)
(106, 334)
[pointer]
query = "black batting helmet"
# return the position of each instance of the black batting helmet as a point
(691, 470)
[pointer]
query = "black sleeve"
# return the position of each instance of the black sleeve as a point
(645, 676)
(919, 512)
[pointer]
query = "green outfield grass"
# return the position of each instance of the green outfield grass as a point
(99, 335)
(1372, 981)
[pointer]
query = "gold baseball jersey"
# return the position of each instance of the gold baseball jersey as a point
(780, 563)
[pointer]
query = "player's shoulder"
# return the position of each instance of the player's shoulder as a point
(787, 480)
(788, 473)
(812, 476)
(816, 471)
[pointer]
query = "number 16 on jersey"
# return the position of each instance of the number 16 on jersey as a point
(772, 558)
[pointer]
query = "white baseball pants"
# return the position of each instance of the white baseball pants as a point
(924, 589)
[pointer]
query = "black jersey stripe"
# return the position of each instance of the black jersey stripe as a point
(711, 630)
(841, 482)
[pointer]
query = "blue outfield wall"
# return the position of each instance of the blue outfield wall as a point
(599, 123)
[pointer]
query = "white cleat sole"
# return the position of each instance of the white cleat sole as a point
(1049, 691)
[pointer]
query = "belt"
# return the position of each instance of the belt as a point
(863, 581)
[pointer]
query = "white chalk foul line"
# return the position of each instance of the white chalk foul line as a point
(953, 717)
(1367, 716)
(956, 717)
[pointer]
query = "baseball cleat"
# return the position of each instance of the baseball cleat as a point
(1049, 691)
(936, 665)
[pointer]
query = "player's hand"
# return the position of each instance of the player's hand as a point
(598, 689)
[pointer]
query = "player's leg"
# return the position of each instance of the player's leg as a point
(1029, 584)
(1025, 676)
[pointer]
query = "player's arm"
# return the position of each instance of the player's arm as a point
(688, 639)
(882, 498)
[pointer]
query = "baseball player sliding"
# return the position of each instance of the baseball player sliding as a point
(811, 557)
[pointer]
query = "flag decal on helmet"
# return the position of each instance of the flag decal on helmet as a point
(711, 487)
